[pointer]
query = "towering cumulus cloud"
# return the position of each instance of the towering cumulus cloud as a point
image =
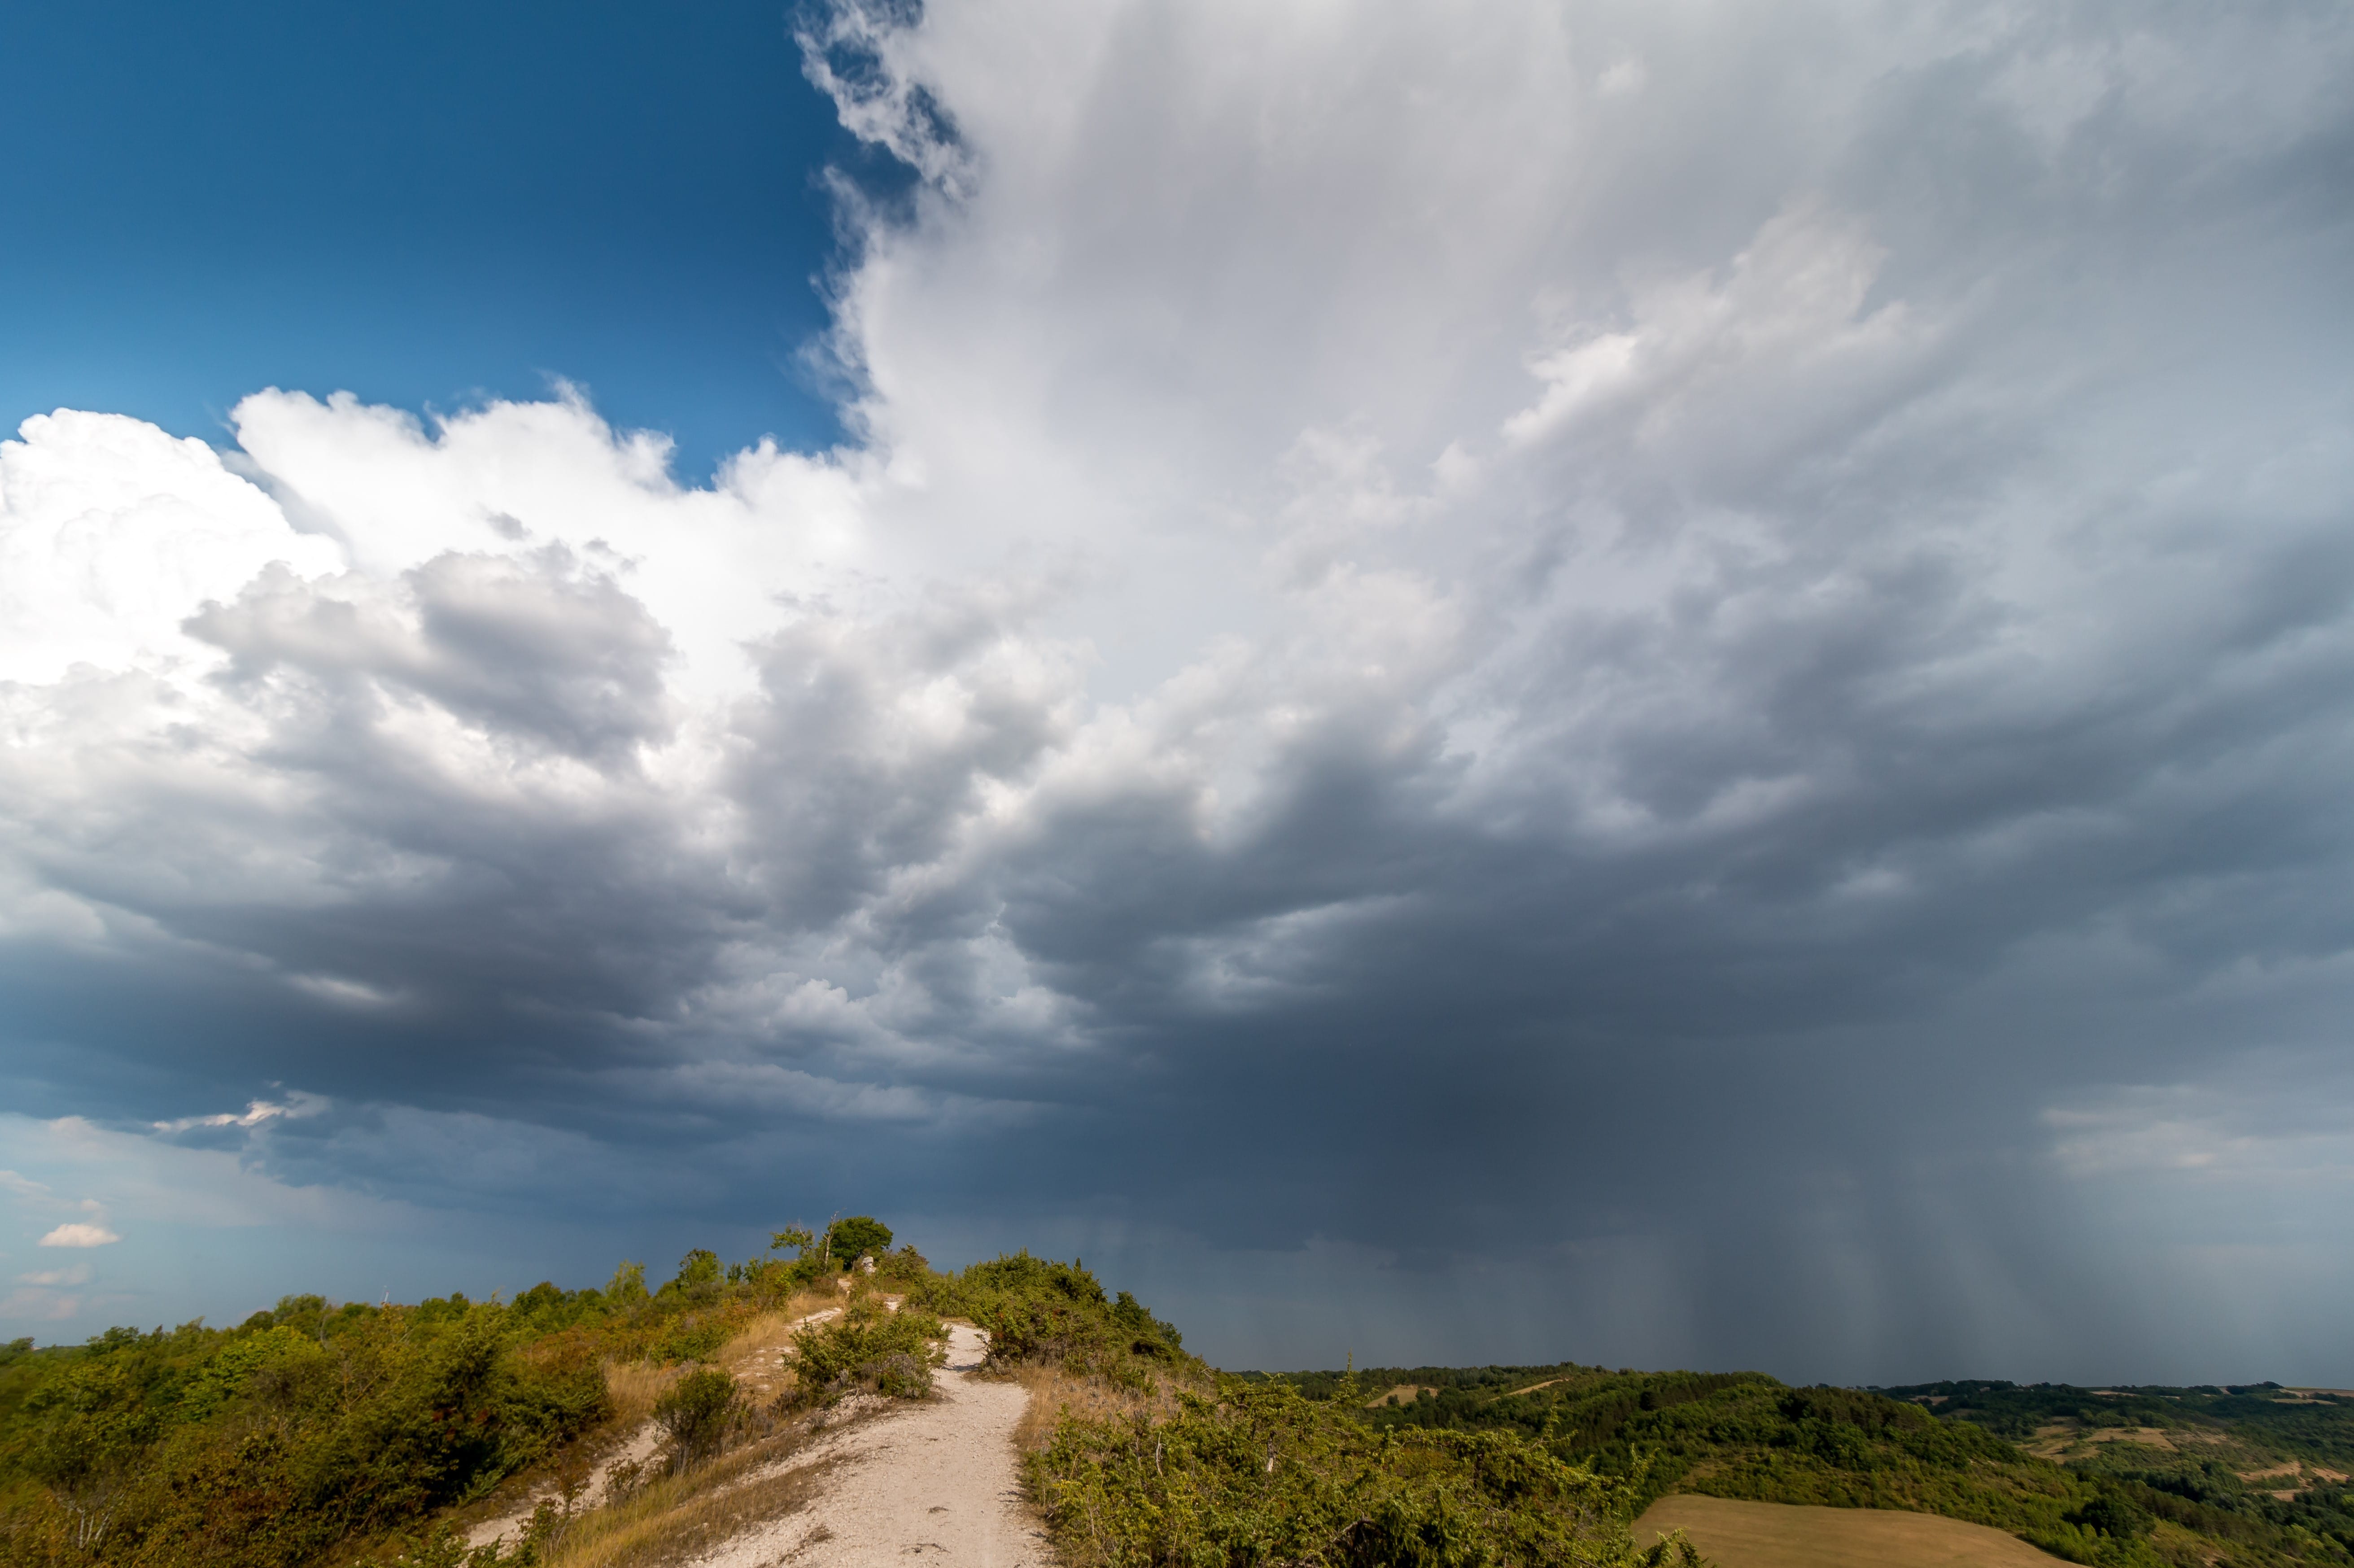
(1655, 682)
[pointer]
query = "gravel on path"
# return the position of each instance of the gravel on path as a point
(935, 1479)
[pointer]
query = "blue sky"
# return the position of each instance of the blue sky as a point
(424, 204)
(1650, 682)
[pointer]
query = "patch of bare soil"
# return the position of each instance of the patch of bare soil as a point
(1733, 1534)
(2068, 1439)
(2299, 1476)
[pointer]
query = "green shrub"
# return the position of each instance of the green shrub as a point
(870, 1347)
(903, 1269)
(692, 1340)
(265, 1446)
(698, 1275)
(2112, 1513)
(1261, 1475)
(1037, 1311)
(627, 1286)
(696, 1414)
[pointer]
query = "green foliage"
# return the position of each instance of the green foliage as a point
(860, 1236)
(693, 1339)
(698, 1275)
(2112, 1513)
(2187, 1474)
(1037, 1311)
(1259, 1474)
(869, 1347)
(1743, 1435)
(629, 1284)
(313, 1425)
(695, 1413)
(903, 1268)
(267, 1444)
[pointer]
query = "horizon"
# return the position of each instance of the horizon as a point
(1349, 1360)
(1625, 680)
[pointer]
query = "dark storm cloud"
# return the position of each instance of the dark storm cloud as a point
(1617, 683)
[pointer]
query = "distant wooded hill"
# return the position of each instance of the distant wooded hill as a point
(2247, 1475)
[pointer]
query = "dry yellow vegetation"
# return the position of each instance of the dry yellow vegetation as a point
(1733, 1534)
(1055, 1391)
(2058, 1440)
(671, 1517)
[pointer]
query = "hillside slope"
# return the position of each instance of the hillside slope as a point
(2247, 1476)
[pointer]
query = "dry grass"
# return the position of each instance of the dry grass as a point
(1054, 1390)
(772, 1332)
(634, 1386)
(753, 1356)
(1407, 1393)
(1733, 1534)
(672, 1518)
(2065, 1439)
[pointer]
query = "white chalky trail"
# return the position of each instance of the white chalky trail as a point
(935, 1480)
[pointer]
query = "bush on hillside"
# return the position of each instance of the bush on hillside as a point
(867, 1347)
(903, 1268)
(696, 1414)
(269, 1444)
(698, 1278)
(627, 1286)
(1260, 1474)
(1039, 1312)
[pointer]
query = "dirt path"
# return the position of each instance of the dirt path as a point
(932, 1479)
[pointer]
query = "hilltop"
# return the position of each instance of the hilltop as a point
(729, 1412)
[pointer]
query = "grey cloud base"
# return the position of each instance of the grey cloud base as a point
(1729, 748)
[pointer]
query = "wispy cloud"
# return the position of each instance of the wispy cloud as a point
(255, 1114)
(39, 1305)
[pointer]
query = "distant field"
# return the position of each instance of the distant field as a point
(1785, 1535)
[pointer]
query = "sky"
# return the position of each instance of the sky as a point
(1666, 684)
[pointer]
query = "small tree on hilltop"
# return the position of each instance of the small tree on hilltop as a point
(628, 1286)
(696, 1270)
(860, 1236)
